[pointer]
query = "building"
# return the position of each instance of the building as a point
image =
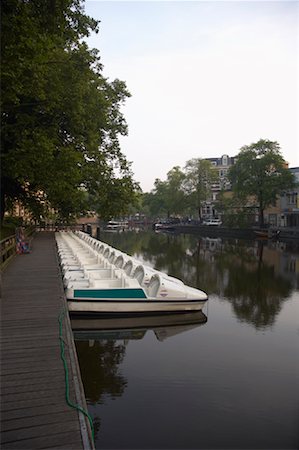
(222, 166)
(284, 214)
(289, 204)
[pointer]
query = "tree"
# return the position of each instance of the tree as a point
(260, 172)
(199, 175)
(233, 213)
(113, 197)
(60, 117)
(167, 197)
(157, 199)
(175, 195)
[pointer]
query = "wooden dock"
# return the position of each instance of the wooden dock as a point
(34, 411)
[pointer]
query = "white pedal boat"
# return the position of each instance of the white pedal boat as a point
(100, 279)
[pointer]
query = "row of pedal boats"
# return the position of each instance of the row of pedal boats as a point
(101, 279)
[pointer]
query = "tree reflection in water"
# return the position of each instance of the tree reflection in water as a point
(99, 367)
(256, 291)
(101, 346)
(249, 274)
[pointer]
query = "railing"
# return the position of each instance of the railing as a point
(55, 227)
(8, 250)
(8, 246)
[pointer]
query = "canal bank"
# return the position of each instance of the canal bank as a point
(282, 233)
(37, 387)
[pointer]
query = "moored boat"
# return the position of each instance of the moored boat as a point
(116, 225)
(261, 234)
(100, 279)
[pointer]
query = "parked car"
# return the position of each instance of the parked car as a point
(212, 222)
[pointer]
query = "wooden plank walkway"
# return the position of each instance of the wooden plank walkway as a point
(34, 412)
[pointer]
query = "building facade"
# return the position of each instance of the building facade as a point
(286, 212)
(221, 165)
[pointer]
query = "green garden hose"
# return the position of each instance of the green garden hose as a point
(66, 372)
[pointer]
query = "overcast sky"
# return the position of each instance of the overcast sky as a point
(206, 78)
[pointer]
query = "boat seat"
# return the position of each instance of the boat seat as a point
(120, 261)
(102, 274)
(111, 283)
(130, 266)
(143, 274)
(115, 283)
(106, 252)
(154, 286)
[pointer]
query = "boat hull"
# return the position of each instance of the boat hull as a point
(134, 307)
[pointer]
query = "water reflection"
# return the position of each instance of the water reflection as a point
(99, 361)
(127, 328)
(256, 277)
(219, 384)
(101, 348)
(99, 366)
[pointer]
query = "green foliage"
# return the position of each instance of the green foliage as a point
(233, 213)
(176, 194)
(60, 117)
(260, 173)
(168, 197)
(114, 197)
(199, 177)
(183, 192)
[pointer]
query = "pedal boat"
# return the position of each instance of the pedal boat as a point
(103, 280)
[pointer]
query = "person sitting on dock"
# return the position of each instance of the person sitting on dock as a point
(22, 244)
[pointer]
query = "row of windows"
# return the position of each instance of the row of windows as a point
(224, 161)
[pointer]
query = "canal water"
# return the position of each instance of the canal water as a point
(224, 379)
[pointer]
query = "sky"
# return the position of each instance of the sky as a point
(205, 77)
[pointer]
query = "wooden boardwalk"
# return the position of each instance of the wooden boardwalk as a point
(34, 412)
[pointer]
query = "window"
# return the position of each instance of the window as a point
(292, 198)
(224, 160)
(273, 219)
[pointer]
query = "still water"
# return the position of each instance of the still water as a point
(225, 379)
